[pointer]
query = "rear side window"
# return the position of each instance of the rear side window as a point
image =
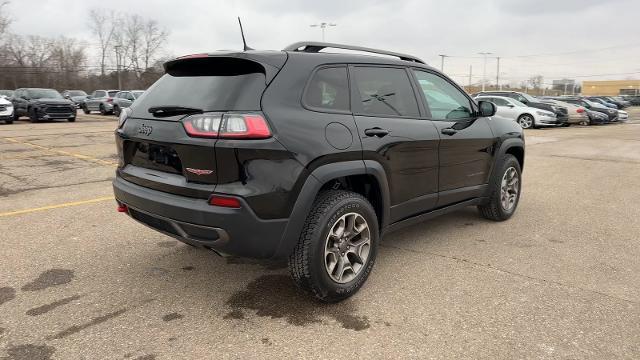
(100, 94)
(385, 92)
(210, 84)
(328, 90)
(112, 93)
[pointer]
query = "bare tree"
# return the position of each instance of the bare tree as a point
(103, 24)
(153, 38)
(536, 81)
(4, 20)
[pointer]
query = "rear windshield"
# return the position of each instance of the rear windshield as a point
(210, 84)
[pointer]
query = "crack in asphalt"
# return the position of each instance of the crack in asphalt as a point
(513, 273)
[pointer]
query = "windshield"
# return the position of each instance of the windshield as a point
(530, 98)
(77, 93)
(43, 94)
(517, 103)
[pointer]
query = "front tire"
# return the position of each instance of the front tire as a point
(337, 247)
(85, 109)
(526, 121)
(8, 122)
(116, 111)
(505, 189)
(102, 110)
(33, 115)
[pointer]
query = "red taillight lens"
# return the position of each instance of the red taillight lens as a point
(580, 110)
(224, 201)
(227, 126)
(110, 100)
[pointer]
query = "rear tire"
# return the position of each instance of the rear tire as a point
(8, 122)
(331, 261)
(102, 110)
(85, 109)
(116, 110)
(502, 187)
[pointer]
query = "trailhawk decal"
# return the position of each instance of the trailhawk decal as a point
(200, 171)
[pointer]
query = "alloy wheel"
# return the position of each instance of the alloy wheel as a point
(525, 121)
(347, 248)
(509, 188)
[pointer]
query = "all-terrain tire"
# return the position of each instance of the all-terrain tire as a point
(494, 209)
(307, 261)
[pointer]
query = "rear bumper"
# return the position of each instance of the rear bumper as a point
(193, 221)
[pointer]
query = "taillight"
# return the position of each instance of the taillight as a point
(580, 110)
(224, 201)
(109, 100)
(227, 126)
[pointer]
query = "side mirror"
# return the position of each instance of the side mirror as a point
(487, 108)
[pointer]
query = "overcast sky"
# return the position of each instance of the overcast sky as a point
(580, 37)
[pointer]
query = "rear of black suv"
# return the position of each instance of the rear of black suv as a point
(174, 158)
(310, 157)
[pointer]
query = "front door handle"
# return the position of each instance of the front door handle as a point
(449, 131)
(376, 131)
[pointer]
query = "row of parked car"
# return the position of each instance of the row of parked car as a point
(49, 104)
(546, 111)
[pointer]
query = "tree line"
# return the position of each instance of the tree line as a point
(126, 51)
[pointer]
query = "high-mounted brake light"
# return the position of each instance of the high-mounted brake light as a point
(227, 126)
(194, 56)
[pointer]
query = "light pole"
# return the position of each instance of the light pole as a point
(442, 62)
(323, 26)
(498, 86)
(118, 47)
(484, 71)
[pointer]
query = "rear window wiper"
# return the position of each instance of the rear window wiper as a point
(164, 111)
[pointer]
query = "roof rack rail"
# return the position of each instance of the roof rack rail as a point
(314, 47)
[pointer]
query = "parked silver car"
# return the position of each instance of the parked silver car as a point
(100, 100)
(124, 99)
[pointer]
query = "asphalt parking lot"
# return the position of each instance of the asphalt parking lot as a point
(559, 280)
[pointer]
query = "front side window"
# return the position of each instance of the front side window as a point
(385, 92)
(444, 100)
(329, 89)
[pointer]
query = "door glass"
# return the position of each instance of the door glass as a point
(444, 100)
(385, 92)
(500, 102)
(329, 89)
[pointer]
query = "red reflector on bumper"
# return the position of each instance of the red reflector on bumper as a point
(122, 208)
(224, 201)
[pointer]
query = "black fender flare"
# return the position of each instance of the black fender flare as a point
(506, 145)
(311, 188)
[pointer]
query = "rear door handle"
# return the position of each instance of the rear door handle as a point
(449, 131)
(376, 131)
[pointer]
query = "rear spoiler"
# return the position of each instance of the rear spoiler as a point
(267, 62)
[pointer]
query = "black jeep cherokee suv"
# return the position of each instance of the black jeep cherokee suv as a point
(310, 156)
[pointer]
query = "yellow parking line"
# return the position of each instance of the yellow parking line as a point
(50, 207)
(61, 152)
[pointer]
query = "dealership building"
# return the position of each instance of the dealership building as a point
(611, 87)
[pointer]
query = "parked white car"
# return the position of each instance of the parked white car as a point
(6, 110)
(524, 115)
